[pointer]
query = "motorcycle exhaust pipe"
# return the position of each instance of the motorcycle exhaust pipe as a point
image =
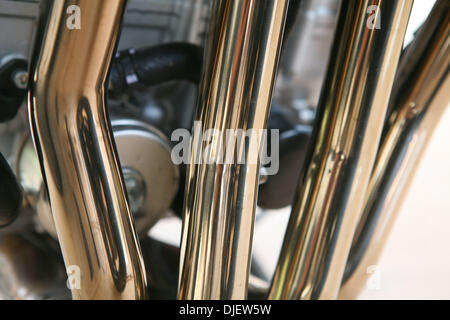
(422, 95)
(351, 114)
(240, 65)
(72, 135)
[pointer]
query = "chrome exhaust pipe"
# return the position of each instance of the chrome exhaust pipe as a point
(240, 65)
(421, 97)
(75, 145)
(351, 114)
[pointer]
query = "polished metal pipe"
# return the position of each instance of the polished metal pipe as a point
(74, 45)
(242, 54)
(421, 97)
(351, 113)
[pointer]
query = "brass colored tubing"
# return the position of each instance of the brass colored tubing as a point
(76, 148)
(240, 64)
(351, 114)
(422, 96)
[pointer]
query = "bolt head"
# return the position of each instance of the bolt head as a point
(20, 79)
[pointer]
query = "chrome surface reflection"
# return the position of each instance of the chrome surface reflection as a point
(420, 97)
(74, 142)
(235, 93)
(351, 114)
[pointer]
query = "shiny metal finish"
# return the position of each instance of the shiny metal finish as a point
(331, 189)
(422, 95)
(235, 93)
(74, 142)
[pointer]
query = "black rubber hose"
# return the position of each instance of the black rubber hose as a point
(172, 61)
(155, 65)
(10, 194)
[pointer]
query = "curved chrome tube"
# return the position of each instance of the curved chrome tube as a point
(76, 149)
(235, 93)
(422, 95)
(351, 114)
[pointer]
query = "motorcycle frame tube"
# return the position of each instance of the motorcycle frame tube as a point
(73, 138)
(241, 59)
(421, 99)
(351, 114)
